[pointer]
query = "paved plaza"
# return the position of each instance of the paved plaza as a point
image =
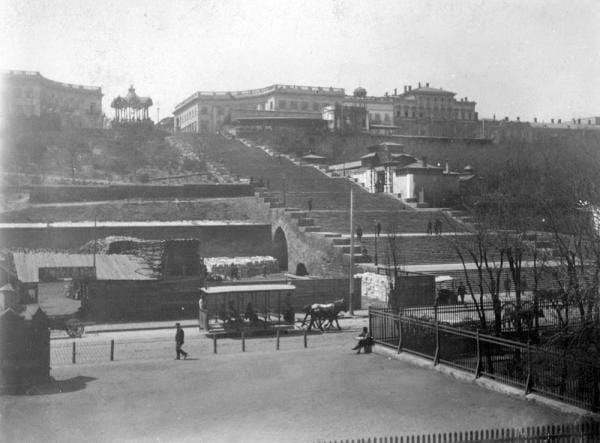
(325, 391)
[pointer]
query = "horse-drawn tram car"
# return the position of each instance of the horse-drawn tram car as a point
(247, 308)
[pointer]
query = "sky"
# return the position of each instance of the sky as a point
(525, 58)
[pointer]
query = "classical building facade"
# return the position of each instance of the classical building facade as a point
(423, 110)
(209, 111)
(28, 94)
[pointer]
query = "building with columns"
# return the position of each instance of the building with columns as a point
(424, 110)
(207, 112)
(29, 95)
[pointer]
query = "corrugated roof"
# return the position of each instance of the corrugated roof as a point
(108, 266)
(247, 288)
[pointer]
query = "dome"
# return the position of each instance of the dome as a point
(360, 92)
(131, 95)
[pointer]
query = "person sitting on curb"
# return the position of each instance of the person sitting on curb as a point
(364, 339)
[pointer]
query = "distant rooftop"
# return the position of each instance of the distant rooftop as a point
(108, 267)
(36, 74)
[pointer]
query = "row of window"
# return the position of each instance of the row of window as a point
(457, 114)
(303, 106)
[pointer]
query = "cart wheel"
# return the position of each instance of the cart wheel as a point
(74, 328)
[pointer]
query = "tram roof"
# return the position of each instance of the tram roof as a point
(246, 288)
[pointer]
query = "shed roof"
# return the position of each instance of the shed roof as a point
(108, 266)
(247, 288)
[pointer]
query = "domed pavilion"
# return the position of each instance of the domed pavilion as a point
(132, 107)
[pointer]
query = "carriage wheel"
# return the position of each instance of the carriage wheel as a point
(74, 328)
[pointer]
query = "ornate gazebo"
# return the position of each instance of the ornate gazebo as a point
(132, 107)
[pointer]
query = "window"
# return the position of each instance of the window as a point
(315, 106)
(293, 105)
(282, 104)
(304, 106)
(203, 110)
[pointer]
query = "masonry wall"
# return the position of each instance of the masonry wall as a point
(215, 241)
(54, 194)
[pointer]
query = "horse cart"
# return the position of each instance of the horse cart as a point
(72, 325)
(246, 308)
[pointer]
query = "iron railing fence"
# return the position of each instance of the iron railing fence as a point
(541, 317)
(586, 432)
(549, 372)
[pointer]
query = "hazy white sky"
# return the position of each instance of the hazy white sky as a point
(515, 58)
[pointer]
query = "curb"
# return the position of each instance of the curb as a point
(491, 385)
(91, 330)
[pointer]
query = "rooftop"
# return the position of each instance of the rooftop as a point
(108, 267)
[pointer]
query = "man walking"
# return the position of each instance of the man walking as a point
(359, 233)
(179, 336)
(461, 292)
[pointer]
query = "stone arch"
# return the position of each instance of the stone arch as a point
(280, 249)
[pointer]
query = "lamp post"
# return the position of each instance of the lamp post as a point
(351, 283)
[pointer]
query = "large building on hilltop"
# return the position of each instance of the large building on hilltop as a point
(28, 94)
(422, 111)
(209, 111)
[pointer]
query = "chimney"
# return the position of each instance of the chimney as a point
(427, 85)
(535, 119)
(405, 89)
(578, 121)
(410, 87)
(395, 91)
(551, 120)
(447, 171)
(424, 160)
(560, 120)
(419, 84)
(518, 118)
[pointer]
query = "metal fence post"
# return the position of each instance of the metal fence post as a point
(529, 381)
(305, 338)
(243, 342)
(74, 353)
(278, 339)
(436, 357)
(214, 343)
(399, 333)
(112, 350)
(478, 367)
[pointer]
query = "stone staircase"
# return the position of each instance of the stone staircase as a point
(290, 183)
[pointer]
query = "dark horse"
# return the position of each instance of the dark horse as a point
(323, 315)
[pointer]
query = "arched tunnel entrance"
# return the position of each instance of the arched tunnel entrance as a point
(280, 249)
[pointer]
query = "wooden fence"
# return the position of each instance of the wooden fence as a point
(587, 432)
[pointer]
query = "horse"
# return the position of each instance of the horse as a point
(525, 316)
(322, 313)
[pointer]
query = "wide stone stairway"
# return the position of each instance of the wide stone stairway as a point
(287, 183)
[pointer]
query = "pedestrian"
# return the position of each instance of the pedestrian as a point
(461, 292)
(359, 233)
(309, 204)
(429, 227)
(365, 340)
(378, 228)
(265, 271)
(437, 226)
(179, 336)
